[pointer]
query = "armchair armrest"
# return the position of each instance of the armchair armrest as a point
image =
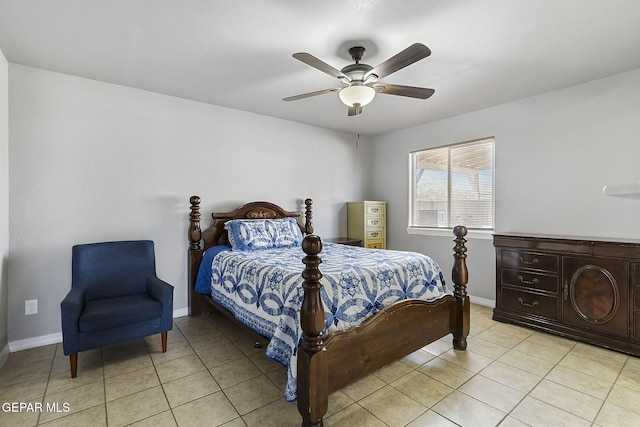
(70, 309)
(160, 290)
(163, 292)
(72, 304)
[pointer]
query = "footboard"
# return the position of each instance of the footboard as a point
(392, 334)
(396, 331)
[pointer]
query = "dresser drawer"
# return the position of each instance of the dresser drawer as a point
(375, 244)
(533, 260)
(375, 222)
(374, 234)
(530, 303)
(527, 279)
(375, 209)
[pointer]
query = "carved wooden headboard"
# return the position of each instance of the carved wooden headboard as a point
(213, 235)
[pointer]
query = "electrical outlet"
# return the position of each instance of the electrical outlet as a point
(31, 306)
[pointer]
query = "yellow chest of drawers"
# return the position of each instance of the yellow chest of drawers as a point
(367, 221)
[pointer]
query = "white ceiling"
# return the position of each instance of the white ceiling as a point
(237, 53)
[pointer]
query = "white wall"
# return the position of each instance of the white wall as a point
(4, 204)
(554, 154)
(91, 161)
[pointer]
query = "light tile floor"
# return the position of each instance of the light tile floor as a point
(213, 376)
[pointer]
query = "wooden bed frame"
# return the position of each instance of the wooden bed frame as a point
(328, 363)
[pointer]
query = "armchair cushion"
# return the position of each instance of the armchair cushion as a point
(109, 313)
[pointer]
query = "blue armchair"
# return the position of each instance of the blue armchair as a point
(115, 297)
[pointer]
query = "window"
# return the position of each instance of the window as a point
(453, 185)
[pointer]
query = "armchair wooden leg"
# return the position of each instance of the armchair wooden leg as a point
(164, 342)
(73, 361)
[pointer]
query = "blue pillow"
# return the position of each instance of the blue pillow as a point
(256, 234)
(287, 233)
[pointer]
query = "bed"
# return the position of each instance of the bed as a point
(330, 327)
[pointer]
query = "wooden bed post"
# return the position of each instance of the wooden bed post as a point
(308, 216)
(460, 277)
(313, 384)
(194, 256)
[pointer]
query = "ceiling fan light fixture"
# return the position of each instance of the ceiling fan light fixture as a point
(360, 81)
(356, 94)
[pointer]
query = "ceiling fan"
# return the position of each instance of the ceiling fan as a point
(359, 82)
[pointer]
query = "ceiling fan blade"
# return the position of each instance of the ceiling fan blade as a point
(413, 53)
(310, 94)
(320, 65)
(410, 91)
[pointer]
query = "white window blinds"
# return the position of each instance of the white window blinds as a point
(453, 185)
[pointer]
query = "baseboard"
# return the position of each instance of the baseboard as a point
(42, 340)
(181, 312)
(483, 301)
(28, 343)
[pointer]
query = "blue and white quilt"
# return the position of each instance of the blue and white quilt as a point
(263, 289)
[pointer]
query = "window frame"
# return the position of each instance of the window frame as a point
(483, 233)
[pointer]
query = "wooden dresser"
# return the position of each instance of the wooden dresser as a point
(367, 221)
(588, 290)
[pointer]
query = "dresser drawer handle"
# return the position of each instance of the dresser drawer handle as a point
(527, 282)
(532, 262)
(526, 304)
(373, 234)
(565, 290)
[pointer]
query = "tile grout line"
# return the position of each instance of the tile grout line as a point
(46, 387)
(241, 416)
(205, 368)
(507, 414)
(155, 369)
(104, 385)
(592, 422)
(528, 394)
(610, 390)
